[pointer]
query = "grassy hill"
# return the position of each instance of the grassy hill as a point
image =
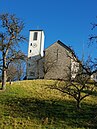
(31, 105)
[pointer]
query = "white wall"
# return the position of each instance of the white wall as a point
(74, 68)
(40, 44)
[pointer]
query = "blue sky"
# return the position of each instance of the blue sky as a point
(65, 20)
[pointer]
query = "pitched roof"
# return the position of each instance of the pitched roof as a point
(63, 45)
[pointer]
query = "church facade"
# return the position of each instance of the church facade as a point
(55, 62)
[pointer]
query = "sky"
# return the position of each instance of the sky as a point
(66, 20)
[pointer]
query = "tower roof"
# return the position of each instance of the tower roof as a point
(35, 30)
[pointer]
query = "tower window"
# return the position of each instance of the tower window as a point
(31, 44)
(35, 36)
(30, 51)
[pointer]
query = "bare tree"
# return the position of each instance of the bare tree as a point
(20, 66)
(78, 87)
(11, 72)
(92, 40)
(48, 63)
(93, 37)
(16, 70)
(10, 37)
(44, 65)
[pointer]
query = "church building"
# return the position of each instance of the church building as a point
(54, 62)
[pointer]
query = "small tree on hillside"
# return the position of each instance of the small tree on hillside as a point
(16, 70)
(79, 87)
(9, 41)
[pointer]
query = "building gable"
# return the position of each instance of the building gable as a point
(61, 44)
(57, 60)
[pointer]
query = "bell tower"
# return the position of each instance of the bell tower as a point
(35, 54)
(36, 43)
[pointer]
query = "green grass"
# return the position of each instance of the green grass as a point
(31, 105)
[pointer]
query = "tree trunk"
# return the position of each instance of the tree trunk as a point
(4, 79)
(78, 103)
(4, 73)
